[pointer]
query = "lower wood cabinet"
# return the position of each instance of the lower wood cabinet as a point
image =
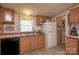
(41, 41)
(72, 46)
(31, 43)
(24, 44)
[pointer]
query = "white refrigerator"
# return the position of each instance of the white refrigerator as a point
(49, 29)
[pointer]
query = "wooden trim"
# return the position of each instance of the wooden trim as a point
(58, 25)
(0, 46)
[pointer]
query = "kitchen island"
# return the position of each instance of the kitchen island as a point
(27, 41)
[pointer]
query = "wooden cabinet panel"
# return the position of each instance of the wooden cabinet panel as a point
(1, 14)
(74, 15)
(6, 15)
(41, 41)
(72, 46)
(40, 19)
(24, 44)
(33, 43)
(37, 42)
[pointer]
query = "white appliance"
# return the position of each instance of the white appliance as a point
(49, 29)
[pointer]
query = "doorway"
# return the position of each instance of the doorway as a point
(60, 23)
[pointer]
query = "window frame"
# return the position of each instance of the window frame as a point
(25, 25)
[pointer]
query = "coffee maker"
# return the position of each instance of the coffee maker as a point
(73, 31)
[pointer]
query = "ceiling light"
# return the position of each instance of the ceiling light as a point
(27, 14)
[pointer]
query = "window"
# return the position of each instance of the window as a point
(26, 25)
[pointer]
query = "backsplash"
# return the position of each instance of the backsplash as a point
(77, 27)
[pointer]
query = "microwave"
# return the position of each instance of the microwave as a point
(8, 28)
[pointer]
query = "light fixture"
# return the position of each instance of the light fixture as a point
(27, 14)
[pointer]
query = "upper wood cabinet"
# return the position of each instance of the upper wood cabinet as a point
(74, 15)
(7, 16)
(40, 19)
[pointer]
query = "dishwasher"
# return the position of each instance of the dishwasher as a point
(10, 46)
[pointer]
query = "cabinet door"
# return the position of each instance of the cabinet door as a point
(72, 46)
(41, 41)
(24, 45)
(1, 14)
(39, 21)
(74, 15)
(33, 42)
(8, 16)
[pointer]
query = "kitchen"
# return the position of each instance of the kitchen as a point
(22, 32)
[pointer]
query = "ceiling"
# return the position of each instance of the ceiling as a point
(47, 9)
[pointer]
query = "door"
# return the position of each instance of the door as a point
(60, 30)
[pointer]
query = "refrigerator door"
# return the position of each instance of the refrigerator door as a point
(51, 40)
(49, 28)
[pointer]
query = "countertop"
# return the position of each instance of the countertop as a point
(10, 35)
(73, 36)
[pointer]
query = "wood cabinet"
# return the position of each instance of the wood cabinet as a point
(6, 16)
(74, 15)
(1, 25)
(1, 28)
(6, 20)
(24, 44)
(41, 41)
(31, 43)
(40, 19)
(72, 46)
(37, 42)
